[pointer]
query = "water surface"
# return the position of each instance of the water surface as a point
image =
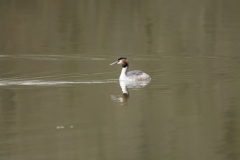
(60, 99)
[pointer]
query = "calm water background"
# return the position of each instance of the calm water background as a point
(56, 85)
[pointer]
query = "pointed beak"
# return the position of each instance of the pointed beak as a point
(114, 63)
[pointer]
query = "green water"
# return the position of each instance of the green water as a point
(60, 99)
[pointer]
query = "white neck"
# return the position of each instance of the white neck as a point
(123, 73)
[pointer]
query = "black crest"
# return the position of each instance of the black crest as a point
(121, 58)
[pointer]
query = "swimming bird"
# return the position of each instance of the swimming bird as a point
(135, 75)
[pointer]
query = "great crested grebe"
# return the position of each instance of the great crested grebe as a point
(135, 75)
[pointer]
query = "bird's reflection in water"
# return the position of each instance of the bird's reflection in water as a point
(122, 99)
